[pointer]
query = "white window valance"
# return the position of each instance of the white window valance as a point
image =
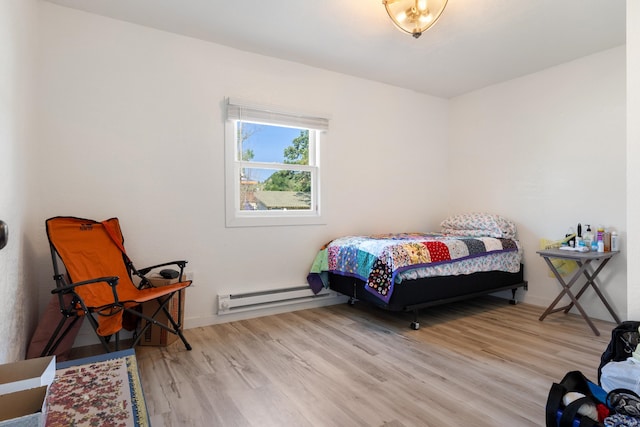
(239, 110)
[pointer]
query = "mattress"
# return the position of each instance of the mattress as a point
(383, 262)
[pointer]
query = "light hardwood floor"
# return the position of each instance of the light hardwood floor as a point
(475, 363)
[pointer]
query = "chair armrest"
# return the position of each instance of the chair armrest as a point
(110, 280)
(180, 264)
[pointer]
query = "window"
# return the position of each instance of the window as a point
(272, 166)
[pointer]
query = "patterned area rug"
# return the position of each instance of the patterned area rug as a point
(99, 393)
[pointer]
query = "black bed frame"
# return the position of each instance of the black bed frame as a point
(413, 295)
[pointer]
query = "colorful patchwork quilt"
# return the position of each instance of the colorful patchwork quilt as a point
(377, 259)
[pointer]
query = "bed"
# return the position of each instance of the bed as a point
(472, 255)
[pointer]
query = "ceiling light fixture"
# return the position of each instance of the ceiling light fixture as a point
(414, 16)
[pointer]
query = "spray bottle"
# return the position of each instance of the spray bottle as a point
(588, 237)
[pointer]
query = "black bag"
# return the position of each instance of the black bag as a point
(625, 402)
(557, 415)
(624, 340)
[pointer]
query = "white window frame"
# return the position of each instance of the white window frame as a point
(238, 110)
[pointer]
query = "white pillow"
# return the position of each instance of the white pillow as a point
(477, 224)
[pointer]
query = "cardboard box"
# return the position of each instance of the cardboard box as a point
(25, 408)
(155, 335)
(26, 374)
(23, 391)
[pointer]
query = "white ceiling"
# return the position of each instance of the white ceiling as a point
(475, 43)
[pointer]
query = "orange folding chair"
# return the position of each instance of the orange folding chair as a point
(99, 279)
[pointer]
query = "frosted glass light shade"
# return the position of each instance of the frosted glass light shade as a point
(414, 16)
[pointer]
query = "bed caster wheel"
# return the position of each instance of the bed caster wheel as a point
(415, 325)
(352, 301)
(513, 301)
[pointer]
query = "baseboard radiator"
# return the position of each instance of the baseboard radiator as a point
(238, 302)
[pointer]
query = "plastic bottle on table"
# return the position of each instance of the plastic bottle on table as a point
(607, 241)
(615, 241)
(571, 242)
(588, 237)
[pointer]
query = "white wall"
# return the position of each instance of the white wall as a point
(17, 50)
(131, 126)
(548, 151)
(633, 154)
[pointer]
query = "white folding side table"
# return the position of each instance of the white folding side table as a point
(584, 260)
